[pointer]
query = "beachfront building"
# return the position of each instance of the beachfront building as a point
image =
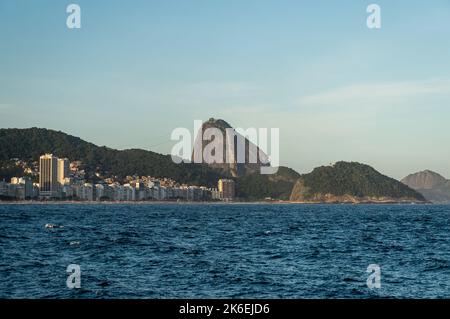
(21, 188)
(48, 176)
(226, 189)
(63, 170)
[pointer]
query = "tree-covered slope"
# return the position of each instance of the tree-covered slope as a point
(29, 144)
(350, 180)
(276, 186)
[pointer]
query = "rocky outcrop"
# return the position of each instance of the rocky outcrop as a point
(424, 180)
(232, 164)
(433, 186)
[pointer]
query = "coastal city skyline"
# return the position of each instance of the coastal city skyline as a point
(60, 179)
(336, 89)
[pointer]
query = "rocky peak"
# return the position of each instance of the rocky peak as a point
(232, 168)
(424, 180)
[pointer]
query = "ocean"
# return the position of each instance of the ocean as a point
(224, 250)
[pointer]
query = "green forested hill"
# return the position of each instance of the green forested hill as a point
(29, 144)
(350, 179)
(277, 186)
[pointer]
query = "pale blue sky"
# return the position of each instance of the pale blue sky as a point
(336, 89)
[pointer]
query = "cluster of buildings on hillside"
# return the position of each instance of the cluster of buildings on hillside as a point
(61, 180)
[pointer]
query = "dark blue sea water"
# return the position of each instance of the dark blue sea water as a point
(225, 251)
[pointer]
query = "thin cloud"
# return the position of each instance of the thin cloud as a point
(215, 90)
(376, 94)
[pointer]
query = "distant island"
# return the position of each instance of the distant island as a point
(342, 182)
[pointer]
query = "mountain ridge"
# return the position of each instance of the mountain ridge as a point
(320, 185)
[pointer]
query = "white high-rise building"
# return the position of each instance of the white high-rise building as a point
(63, 170)
(226, 189)
(48, 176)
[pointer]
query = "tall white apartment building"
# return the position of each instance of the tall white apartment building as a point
(63, 170)
(48, 176)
